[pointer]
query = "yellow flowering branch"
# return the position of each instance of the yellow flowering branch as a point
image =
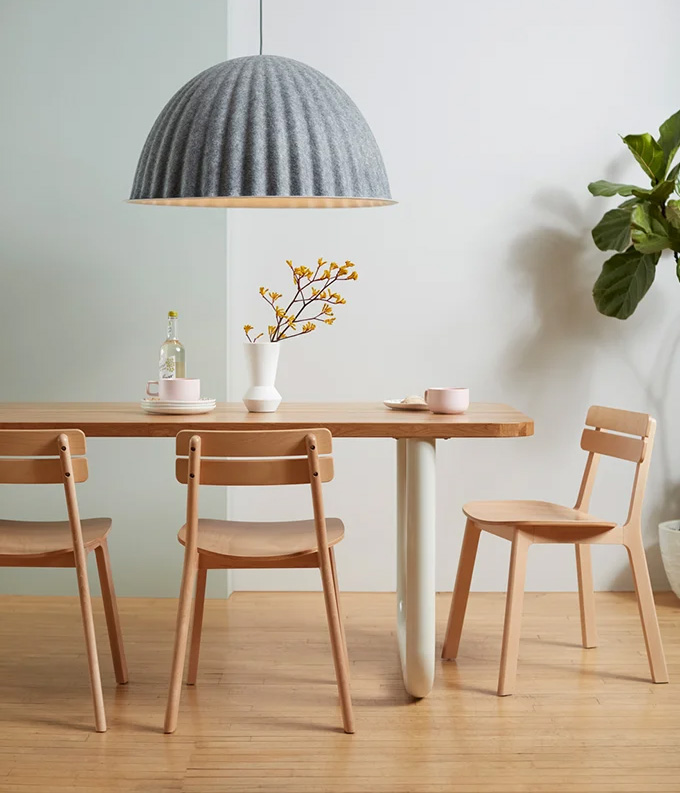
(247, 329)
(318, 284)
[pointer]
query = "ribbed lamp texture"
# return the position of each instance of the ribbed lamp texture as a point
(261, 131)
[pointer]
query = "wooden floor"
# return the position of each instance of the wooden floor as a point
(264, 715)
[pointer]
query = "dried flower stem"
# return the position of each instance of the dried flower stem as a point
(287, 319)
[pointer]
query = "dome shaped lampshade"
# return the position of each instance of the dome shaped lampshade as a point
(261, 131)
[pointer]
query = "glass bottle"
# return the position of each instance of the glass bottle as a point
(172, 361)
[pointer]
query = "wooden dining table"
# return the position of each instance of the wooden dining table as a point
(416, 433)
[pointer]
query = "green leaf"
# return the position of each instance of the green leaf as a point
(612, 233)
(673, 213)
(669, 137)
(623, 282)
(629, 202)
(648, 153)
(672, 175)
(662, 191)
(673, 223)
(649, 230)
(604, 188)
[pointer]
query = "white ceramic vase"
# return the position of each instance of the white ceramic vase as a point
(262, 359)
(669, 543)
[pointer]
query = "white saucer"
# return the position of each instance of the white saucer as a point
(397, 404)
(177, 407)
(158, 401)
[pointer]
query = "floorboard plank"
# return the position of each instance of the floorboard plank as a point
(265, 717)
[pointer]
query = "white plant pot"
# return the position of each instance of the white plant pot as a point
(669, 542)
(262, 359)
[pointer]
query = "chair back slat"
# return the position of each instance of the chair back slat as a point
(634, 445)
(612, 445)
(255, 472)
(258, 457)
(24, 456)
(37, 471)
(39, 443)
(258, 443)
(615, 420)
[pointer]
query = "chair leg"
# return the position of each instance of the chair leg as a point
(650, 623)
(111, 612)
(197, 626)
(90, 639)
(513, 613)
(181, 634)
(338, 645)
(461, 590)
(586, 595)
(334, 571)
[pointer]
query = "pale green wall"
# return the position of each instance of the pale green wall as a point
(511, 107)
(86, 279)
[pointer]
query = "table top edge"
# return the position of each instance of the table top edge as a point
(125, 419)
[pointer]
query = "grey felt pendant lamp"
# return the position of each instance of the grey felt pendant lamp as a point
(261, 131)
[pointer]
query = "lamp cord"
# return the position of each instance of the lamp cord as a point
(260, 27)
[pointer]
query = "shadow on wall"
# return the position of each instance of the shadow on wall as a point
(656, 387)
(557, 265)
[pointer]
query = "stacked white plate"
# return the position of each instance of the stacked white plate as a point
(175, 407)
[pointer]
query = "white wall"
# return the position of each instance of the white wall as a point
(86, 279)
(492, 118)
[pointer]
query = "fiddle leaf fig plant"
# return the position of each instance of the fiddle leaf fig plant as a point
(643, 226)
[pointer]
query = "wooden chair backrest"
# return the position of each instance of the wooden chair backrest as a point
(622, 434)
(38, 457)
(259, 457)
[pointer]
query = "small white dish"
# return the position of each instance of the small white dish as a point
(397, 404)
(177, 402)
(176, 407)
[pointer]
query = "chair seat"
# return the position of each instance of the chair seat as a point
(39, 538)
(261, 540)
(531, 513)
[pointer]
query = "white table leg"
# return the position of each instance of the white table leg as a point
(415, 562)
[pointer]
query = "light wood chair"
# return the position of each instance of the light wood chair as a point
(610, 432)
(45, 457)
(278, 457)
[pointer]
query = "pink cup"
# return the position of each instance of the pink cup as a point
(448, 400)
(176, 389)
